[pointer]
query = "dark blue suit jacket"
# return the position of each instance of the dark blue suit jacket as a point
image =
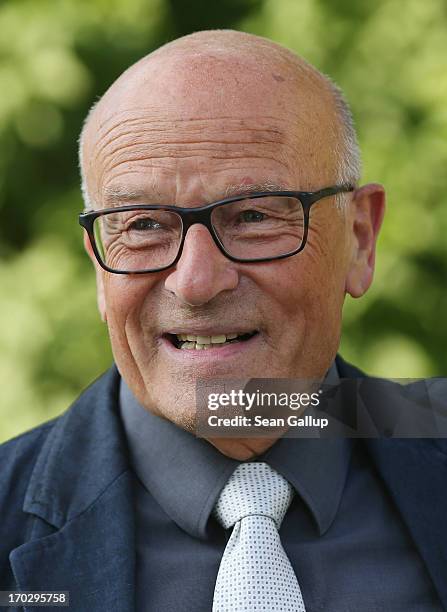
(66, 507)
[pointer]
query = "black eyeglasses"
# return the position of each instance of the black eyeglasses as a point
(261, 226)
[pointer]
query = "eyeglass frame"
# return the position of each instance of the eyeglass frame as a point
(202, 215)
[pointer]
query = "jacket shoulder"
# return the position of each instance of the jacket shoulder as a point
(347, 370)
(18, 456)
(22, 459)
(17, 459)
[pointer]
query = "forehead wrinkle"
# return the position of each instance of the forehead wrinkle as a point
(159, 120)
(210, 150)
(141, 155)
(269, 185)
(167, 115)
(232, 145)
(138, 129)
(148, 148)
(140, 168)
(142, 139)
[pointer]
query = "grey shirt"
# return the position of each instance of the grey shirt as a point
(345, 539)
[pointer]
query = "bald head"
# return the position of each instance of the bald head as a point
(234, 77)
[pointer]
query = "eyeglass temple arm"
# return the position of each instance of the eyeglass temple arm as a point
(329, 191)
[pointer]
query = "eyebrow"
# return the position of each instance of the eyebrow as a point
(244, 189)
(119, 194)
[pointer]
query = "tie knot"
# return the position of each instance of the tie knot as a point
(253, 489)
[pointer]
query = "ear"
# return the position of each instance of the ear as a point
(99, 278)
(366, 214)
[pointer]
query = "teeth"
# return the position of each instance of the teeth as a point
(219, 339)
(203, 340)
(199, 347)
(199, 343)
(188, 345)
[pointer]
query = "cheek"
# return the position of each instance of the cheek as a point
(325, 256)
(307, 290)
(300, 284)
(125, 299)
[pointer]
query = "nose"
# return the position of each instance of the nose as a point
(202, 271)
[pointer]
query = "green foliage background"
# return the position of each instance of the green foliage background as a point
(57, 57)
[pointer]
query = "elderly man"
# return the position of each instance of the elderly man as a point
(226, 225)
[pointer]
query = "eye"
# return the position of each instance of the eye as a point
(253, 216)
(145, 223)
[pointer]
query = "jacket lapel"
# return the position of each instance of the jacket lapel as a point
(91, 557)
(80, 502)
(415, 473)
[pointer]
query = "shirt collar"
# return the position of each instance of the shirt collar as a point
(317, 469)
(185, 474)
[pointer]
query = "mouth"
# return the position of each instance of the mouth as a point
(194, 342)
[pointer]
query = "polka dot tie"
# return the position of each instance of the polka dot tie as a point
(255, 574)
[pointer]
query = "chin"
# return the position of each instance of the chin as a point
(175, 402)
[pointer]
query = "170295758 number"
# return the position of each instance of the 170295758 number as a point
(34, 598)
